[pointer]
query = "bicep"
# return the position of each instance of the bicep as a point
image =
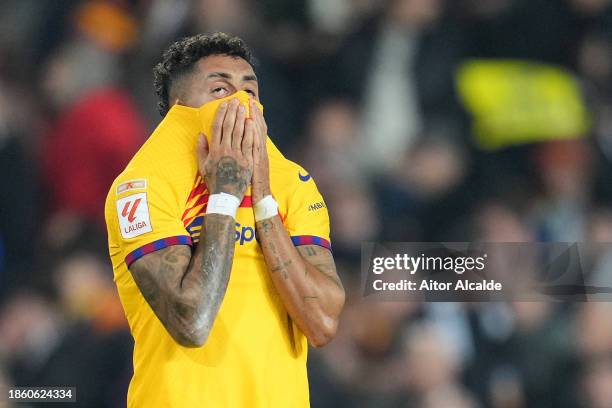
(322, 259)
(159, 274)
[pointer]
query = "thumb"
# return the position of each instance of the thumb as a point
(202, 147)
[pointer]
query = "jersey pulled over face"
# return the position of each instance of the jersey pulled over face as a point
(255, 356)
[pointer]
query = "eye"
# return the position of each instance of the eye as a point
(250, 92)
(219, 92)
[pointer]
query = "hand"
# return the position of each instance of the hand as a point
(261, 167)
(227, 164)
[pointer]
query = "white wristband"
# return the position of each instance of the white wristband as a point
(265, 208)
(223, 203)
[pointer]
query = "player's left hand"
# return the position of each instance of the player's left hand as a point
(260, 185)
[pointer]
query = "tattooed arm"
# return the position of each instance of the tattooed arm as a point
(306, 280)
(185, 291)
(306, 277)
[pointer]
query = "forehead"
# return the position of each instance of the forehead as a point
(224, 63)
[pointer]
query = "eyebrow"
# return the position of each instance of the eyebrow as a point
(225, 75)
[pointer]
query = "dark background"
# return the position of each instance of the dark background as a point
(366, 95)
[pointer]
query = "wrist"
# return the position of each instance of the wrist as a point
(223, 203)
(260, 193)
(265, 208)
(228, 190)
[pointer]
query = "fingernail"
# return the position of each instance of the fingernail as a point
(224, 104)
(241, 108)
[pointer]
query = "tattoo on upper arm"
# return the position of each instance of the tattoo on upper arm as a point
(309, 251)
(321, 259)
(159, 274)
(185, 290)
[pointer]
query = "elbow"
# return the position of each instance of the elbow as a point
(323, 334)
(189, 325)
(327, 326)
(192, 333)
(191, 340)
(190, 337)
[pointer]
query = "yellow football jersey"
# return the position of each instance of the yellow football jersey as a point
(255, 355)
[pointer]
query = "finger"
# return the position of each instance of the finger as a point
(217, 127)
(247, 140)
(228, 123)
(255, 118)
(261, 124)
(237, 135)
(262, 138)
(255, 113)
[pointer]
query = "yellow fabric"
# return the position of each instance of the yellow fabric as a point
(515, 102)
(255, 356)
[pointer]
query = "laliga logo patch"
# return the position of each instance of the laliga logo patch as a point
(133, 212)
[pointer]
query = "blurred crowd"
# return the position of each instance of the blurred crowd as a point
(366, 95)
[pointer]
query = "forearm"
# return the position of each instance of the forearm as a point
(311, 292)
(205, 281)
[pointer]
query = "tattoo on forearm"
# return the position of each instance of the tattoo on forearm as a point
(315, 257)
(282, 266)
(310, 299)
(215, 266)
(278, 264)
(267, 225)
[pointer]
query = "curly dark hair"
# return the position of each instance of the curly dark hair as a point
(182, 55)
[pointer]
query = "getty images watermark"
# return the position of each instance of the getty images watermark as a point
(487, 271)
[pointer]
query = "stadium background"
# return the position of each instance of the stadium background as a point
(420, 120)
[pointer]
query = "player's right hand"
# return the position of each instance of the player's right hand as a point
(226, 164)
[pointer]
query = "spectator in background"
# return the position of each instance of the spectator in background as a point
(449, 397)
(18, 187)
(399, 69)
(539, 30)
(426, 190)
(366, 362)
(593, 330)
(329, 150)
(330, 145)
(81, 340)
(565, 169)
(97, 128)
(432, 369)
(597, 382)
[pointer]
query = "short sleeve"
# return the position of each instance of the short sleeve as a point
(307, 219)
(143, 216)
